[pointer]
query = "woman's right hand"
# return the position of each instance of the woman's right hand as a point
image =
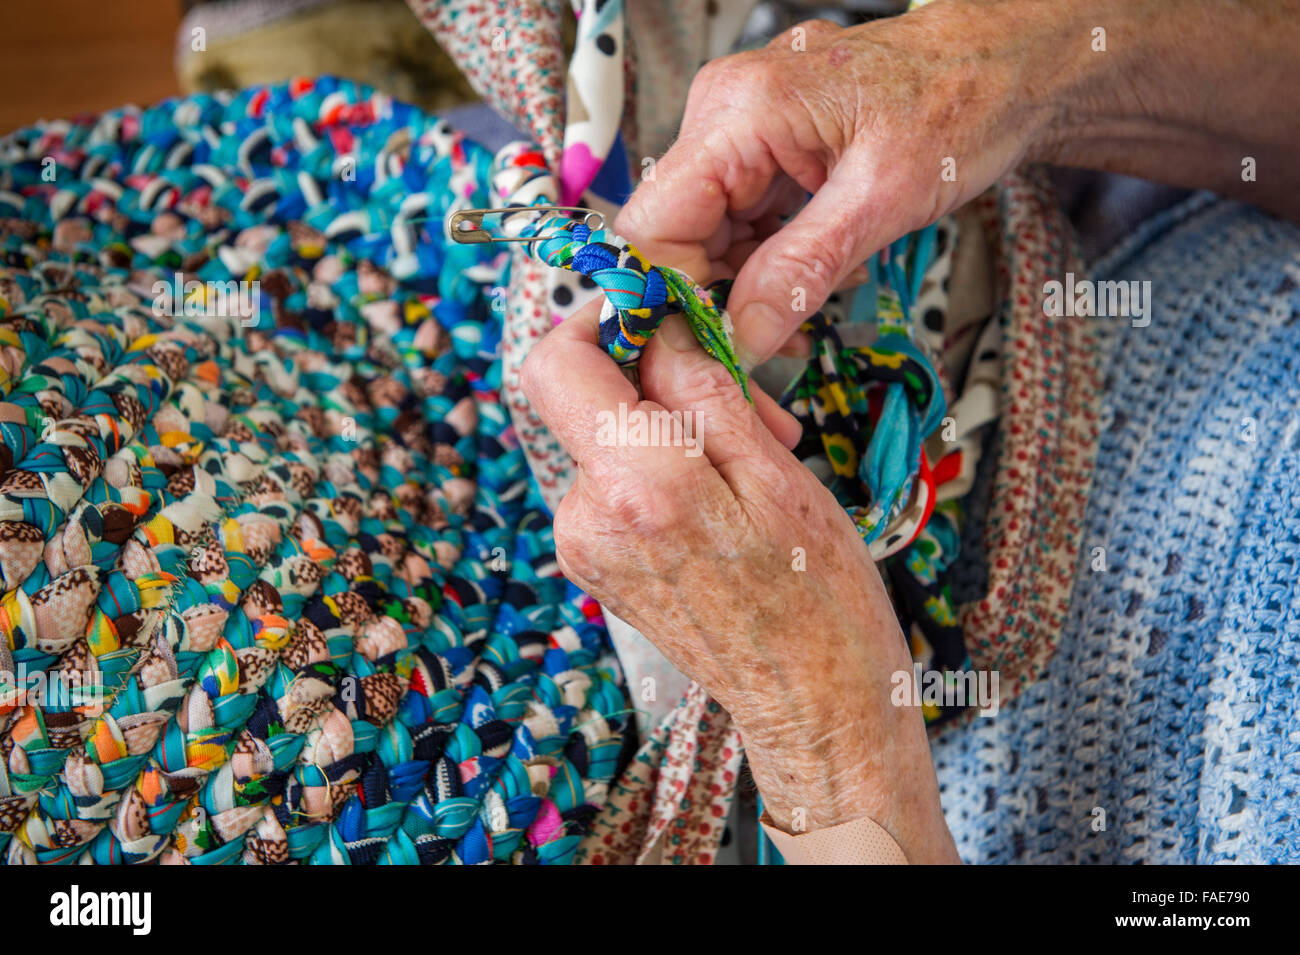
(738, 564)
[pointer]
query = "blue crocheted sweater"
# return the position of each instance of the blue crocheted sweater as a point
(1169, 713)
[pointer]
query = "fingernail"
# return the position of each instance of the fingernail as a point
(677, 336)
(760, 330)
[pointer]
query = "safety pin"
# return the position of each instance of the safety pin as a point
(466, 225)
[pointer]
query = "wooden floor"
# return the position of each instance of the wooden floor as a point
(63, 57)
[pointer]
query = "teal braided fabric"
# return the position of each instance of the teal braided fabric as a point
(638, 295)
(276, 589)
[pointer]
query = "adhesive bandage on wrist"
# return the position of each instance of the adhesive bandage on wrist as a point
(860, 842)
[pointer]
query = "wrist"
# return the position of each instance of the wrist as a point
(831, 764)
(1070, 63)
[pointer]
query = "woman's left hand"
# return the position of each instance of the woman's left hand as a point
(744, 570)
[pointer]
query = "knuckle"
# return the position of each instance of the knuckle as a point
(575, 543)
(635, 513)
(738, 78)
(578, 571)
(703, 93)
(711, 72)
(814, 262)
(598, 539)
(532, 374)
(704, 386)
(575, 558)
(765, 82)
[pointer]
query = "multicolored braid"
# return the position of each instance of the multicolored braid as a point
(869, 410)
(638, 295)
(307, 608)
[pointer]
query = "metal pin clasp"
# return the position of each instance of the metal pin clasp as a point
(467, 224)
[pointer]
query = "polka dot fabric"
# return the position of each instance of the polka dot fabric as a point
(275, 587)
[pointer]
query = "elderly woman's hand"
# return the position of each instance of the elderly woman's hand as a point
(889, 125)
(742, 568)
(893, 123)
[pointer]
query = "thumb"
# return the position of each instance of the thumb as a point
(794, 271)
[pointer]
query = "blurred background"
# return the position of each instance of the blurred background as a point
(61, 58)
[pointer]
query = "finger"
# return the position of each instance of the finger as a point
(678, 374)
(569, 379)
(673, 217)
(595, 413)
(791, 274)
(784, 426)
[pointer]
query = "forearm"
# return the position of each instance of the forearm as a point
(805, 790)
(835, 749)
(1194, 93)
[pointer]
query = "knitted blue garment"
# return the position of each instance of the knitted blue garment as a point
(1172, 700)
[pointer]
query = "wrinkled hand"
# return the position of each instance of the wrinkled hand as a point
(742, 568)
(890, 125)
(893, 123)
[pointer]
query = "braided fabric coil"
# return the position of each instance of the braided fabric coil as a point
(638, 295)
(276, 588)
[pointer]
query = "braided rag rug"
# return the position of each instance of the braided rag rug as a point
(275, 586)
